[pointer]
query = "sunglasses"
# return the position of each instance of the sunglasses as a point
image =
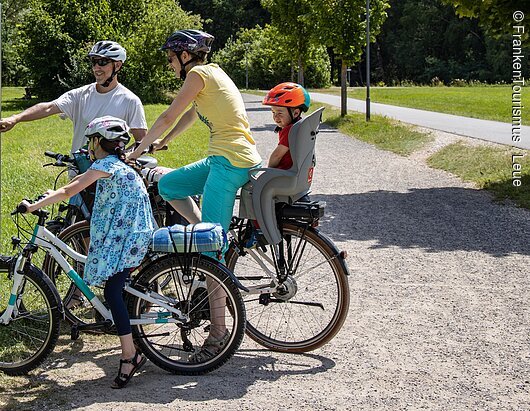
(100, 62)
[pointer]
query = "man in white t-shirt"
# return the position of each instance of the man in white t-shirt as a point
(105, 97)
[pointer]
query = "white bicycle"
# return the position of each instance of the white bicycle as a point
(168, 302)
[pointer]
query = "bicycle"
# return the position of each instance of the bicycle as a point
(81, 208)
(168, 304)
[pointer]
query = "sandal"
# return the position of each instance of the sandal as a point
(210, 348)
(123, 379)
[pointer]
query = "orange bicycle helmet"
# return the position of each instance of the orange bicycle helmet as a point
(288, 95)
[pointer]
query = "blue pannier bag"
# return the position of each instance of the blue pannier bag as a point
(193, 238)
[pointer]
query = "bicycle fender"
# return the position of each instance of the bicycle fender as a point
(219, 265)
(336, 251)
(230, 274)
(58, 302)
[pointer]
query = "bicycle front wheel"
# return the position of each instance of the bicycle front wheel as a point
(309, 307)
(209, 299)
(33, 329)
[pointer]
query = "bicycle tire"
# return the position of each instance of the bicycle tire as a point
(164, 344)
(287, 323)
(29, 338)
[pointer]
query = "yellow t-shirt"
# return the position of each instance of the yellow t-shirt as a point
(220, 106)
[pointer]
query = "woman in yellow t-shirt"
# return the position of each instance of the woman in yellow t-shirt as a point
(232, 151)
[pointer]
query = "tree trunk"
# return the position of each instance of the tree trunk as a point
(300, 71)
(331, 55)
(343, 90)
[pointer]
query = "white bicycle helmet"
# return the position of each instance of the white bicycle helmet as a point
(108, 49)
(109, 128)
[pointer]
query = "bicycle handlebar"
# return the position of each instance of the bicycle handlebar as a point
(59, 157)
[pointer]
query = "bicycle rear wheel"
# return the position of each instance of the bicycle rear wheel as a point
(173, 346)
(33, 330)
(310, 307)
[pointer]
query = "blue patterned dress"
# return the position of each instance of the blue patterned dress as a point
(121, 223)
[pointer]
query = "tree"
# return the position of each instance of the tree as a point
(222, 18)
(341, 25)
(14, 71)
(292, 19)
(495, 16)
(60, 33)
(269, 60)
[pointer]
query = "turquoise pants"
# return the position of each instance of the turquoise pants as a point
(215, 178)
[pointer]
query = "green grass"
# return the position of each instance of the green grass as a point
(22, 174)
(490, 168)
(484, 102)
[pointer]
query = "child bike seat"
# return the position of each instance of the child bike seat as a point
(272, 185)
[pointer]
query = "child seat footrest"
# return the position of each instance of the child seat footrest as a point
(193, 238)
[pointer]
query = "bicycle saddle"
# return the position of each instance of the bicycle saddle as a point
(147, 161)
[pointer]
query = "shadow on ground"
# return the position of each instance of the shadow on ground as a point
(435, 219)
(153, 385)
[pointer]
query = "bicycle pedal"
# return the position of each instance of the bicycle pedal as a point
(265, 299)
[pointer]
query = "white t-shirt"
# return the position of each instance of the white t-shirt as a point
(84, 104)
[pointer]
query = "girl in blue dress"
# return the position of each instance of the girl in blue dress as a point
(120, 228)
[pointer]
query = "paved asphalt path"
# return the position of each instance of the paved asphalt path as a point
(494, 131)
(439, 316)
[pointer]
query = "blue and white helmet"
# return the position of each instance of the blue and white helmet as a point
(108, 49)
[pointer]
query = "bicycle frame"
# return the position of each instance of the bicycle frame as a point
(47, 240)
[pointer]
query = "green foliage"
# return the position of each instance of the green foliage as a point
(495, 16)
(13, 69)
(270, 59)
(60, 33)
(341, 25)
(223, 17)
(293, 23)
(413, 47)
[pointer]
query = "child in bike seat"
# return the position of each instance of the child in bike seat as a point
(120, 228)
(288, 101)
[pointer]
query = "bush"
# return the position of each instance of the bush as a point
(60, 34)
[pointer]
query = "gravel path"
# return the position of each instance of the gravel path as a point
(439, 317)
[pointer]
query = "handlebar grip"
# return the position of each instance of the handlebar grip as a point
(22, 209)
(51, 154)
